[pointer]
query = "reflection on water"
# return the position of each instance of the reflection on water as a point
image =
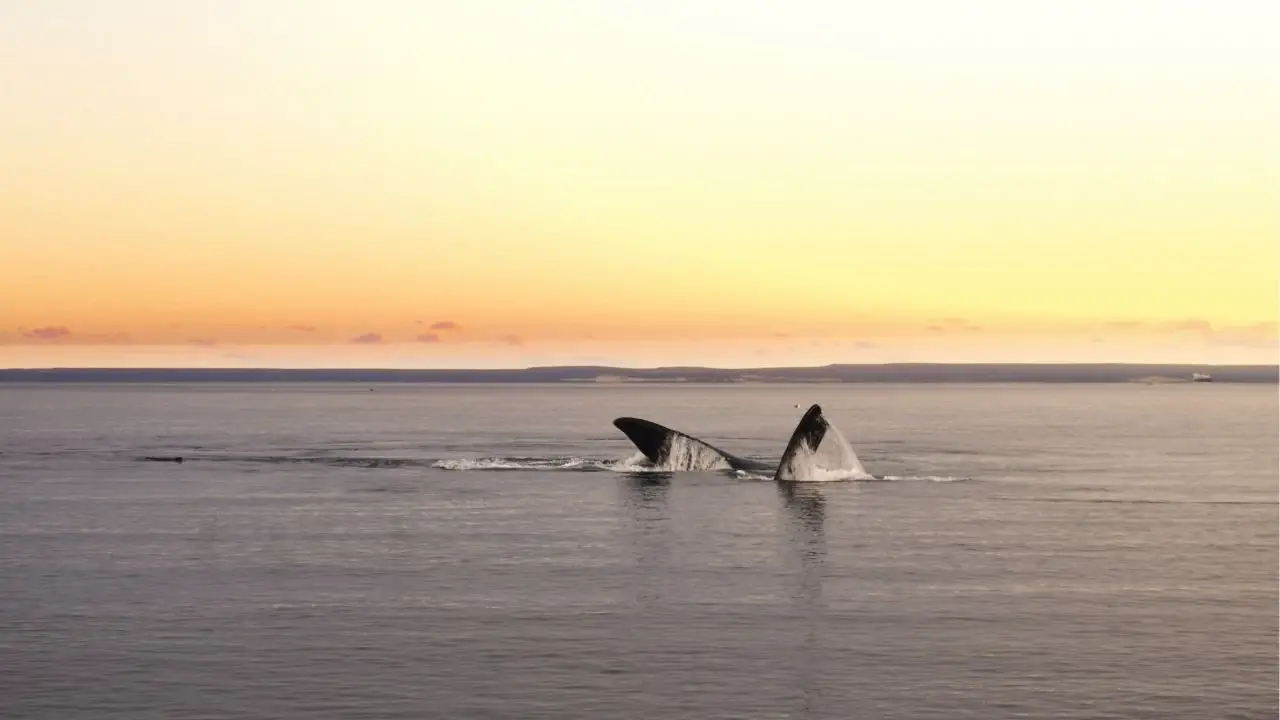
(804, 517)
(640, 480)
(646, 502)
(648, 529)
(806, 510)
(654, 588)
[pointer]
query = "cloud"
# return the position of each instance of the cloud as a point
(51, 332)
(1124, 324)
(947, 324)
(428, 338)
(864, 345)
(1190, 325)
(781, 335)
(57, 333)
(1257, 335)
(115, 338)
(445, 325)
(513, 340)
(367, 339)
(302, 328)
(202, 342)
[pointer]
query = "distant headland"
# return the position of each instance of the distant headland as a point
(884, 373)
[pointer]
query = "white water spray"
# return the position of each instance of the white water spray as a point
(684, 454)
(833, 459)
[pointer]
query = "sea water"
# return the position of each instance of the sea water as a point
(417, 551)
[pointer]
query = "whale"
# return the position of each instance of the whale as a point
(815, 451)
(673, 450)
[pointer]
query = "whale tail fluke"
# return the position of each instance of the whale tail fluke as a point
(818, 452)
(673, 450)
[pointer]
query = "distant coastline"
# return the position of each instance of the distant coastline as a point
(883, 373)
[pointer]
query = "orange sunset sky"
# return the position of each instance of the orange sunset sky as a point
(501, 184)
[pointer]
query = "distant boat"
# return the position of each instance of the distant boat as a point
(1201, 377)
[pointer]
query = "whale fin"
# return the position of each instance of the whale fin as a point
(817, 451)
(673, 450)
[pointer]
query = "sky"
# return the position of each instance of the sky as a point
(503, 183)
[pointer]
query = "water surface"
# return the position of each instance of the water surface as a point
(410, 551)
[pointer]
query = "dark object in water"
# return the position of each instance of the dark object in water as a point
(163, 458)
(657, 441)
(671, 449)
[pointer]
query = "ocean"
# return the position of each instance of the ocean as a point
(497, 551)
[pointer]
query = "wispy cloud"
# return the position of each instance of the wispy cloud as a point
(303, 328)
(52, 332)
(1257, 335)
(428, 338)
(948, 324)
(62, 335)
(111, 338)
(513, 340)
(367, 339)
(1190, 325)
(202, 342)
(445, 325)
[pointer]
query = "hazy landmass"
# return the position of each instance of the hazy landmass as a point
(894, 373)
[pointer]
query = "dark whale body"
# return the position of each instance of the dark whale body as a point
(674, 450)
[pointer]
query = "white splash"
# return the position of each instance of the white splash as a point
(497, 463)
(685, 454)
(833, 460)
(636, 463)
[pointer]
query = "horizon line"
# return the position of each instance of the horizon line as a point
(740, 368)
(905, 373)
